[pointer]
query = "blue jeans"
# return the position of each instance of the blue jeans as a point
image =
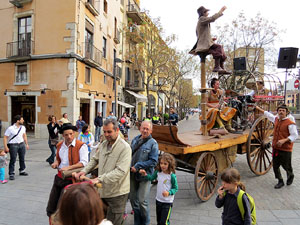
(139, 199)
(2, 173)
(14, 150)
(51, 158)
(97, 133)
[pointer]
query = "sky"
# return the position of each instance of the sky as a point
(180, 17)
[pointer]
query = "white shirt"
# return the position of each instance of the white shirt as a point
(292, 127)
(64, 154)
(12, 131)
(164, 184)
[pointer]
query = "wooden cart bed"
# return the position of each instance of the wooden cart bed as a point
(170, 141)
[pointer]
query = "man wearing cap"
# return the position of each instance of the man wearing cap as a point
(71, 154)
(205, 43)
(285, 133)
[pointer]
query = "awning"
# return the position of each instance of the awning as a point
(139, 97)
(125, 104)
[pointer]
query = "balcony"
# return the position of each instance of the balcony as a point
(90, 4)
(134, 34)
(117, 37)
(135, 85)
(19, 49)
(19, 3)
(118, 72)
(133, 12)
(91, 54)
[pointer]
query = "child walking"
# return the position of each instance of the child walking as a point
(87, 137)
(166, 187)
(3, 163)
(227, 197)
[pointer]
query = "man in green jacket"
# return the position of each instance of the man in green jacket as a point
(113, 159)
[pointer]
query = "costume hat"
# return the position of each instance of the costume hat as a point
(67, 126)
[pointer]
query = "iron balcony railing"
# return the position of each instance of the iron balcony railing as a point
(19, 48)
(90, 52)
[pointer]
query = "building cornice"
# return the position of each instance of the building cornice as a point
(55, 56)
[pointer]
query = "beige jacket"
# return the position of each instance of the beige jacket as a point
(113, 168)
(204, 39)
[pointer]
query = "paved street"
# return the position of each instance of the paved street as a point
(24, 200)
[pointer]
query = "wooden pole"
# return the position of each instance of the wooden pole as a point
(203, 94)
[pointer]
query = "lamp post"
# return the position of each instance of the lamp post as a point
(116, 60)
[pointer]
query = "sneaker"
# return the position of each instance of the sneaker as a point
(4, 181)
(11, 177)
(23, 174)
(125, 215)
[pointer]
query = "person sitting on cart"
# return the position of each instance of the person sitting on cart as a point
(260, 90)
(217, 114)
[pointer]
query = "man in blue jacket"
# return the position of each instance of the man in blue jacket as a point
(144, 156)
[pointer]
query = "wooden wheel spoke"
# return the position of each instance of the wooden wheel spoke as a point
(201, 179)
(255, 135)
(254, 151)
(201, 173)
(267, 156)
(268, 150)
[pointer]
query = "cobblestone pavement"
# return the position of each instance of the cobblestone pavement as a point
(23, 201)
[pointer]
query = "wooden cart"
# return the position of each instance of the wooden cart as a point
(207, 156)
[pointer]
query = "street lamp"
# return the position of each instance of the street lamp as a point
(116, 60)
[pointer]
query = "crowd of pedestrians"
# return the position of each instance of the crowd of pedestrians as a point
(124, 171)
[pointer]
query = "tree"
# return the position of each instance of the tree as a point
(255, 35)
(180, 65)
(150, 54)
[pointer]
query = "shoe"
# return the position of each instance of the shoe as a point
(230, 130)
(279, 185)
(4, 181)
(11, 177)
(290, 180)
(125, 215)
(23, 174)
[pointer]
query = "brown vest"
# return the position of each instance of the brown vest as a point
(73, 153)
(281, 131)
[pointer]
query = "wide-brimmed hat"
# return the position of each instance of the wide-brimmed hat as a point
(67, 126)
(201, 10)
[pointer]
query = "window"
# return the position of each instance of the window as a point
(104, 47)
(104, 79)
(105, 6)
(21, 75)
(24, 36)
(88, 78)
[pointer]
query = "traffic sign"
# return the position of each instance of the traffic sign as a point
(296, 84)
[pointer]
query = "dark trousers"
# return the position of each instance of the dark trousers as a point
(51, 158)
(116, 208)
(284, 159)
(163, 212)
(56, 191)
(217, 51)
(14, 150)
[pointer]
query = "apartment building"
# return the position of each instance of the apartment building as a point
(59, 57)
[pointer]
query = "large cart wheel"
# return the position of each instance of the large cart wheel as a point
(259, 152)
(206, 176)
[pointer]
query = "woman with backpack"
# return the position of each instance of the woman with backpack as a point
(231, 196)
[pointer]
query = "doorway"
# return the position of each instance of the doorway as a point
(24, 106)
(85, 110)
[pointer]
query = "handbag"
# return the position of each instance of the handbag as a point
(54, 141)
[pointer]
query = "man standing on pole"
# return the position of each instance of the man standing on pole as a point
(285, 133)
(15, 142)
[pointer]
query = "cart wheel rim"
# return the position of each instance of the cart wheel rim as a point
(206, 176)
(259, 152)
